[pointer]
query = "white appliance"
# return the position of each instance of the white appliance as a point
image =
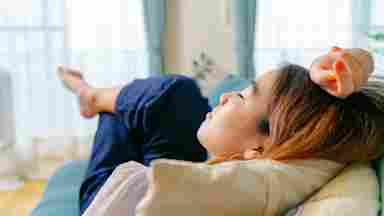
(9, 172)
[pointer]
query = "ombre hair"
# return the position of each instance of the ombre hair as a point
(306, 122)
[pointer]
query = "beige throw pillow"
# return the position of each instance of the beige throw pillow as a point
(256, 187)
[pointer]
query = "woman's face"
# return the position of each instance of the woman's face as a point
(232, 126)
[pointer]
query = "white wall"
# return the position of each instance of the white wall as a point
(195, 26)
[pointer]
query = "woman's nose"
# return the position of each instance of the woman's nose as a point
(225, 97)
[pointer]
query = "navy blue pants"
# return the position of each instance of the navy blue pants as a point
(154, 118)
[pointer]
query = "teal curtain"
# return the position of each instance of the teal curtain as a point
(154, 20)
(244, 16)
(361, 17)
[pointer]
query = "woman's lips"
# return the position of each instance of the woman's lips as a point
(209, 115)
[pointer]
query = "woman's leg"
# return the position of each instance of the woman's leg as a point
(168, 112)
(165, 111)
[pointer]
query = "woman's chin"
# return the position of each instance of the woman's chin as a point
(209, 138)
(201, 131)
(201, 138)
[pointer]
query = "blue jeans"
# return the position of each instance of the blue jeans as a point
(154, 118)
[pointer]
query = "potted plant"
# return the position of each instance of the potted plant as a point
(377, 42)
(376, 45)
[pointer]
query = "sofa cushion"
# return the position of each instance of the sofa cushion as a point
(354, 192)
(61, 197)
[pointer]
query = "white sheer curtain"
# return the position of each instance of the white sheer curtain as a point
(297, 31)
(105, 39)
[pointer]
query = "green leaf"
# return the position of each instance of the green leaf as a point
(377, 36)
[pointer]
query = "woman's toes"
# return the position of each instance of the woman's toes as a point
(71, 78)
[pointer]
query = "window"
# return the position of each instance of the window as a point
(299, 31)
(32, 42)
(105, 39)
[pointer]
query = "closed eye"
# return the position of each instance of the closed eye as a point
(240, 95)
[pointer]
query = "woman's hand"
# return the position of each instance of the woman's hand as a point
(342, 72)
(331, 73)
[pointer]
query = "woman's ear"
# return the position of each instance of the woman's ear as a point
(252, 153)
(263, 126)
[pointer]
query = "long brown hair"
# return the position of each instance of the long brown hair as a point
(306, 122)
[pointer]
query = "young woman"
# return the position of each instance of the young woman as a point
(288, 114)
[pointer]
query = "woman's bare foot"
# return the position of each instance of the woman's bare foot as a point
(73, 81)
